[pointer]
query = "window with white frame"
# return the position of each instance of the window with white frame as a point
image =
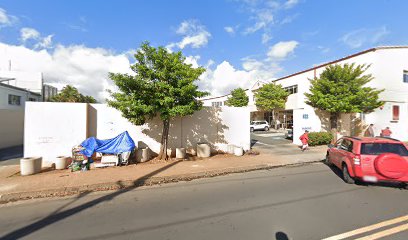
(14, 100)
(291, 89)
(405, 76)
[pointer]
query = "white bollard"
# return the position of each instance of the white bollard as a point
(238, 151)
(180, 153)
(61, 162)
(30, 165)
(203, 150)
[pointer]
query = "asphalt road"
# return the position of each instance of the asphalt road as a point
(307, 202)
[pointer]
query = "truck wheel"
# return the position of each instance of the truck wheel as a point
(251, 129)
(266, 128)
(346, 175)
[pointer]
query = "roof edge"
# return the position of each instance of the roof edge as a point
(20, 89)
(340, 59)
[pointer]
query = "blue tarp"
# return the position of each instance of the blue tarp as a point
(119, 144)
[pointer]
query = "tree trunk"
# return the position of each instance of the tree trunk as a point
(164, 140)
(334, 125)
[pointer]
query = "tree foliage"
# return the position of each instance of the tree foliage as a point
(238, 98)
(342, 89)
(71, 94)
(162, 85)
(270, 96)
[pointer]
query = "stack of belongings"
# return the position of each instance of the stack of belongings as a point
(114, 151)
(79, 160)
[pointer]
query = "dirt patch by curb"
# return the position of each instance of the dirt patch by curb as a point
(129, 184)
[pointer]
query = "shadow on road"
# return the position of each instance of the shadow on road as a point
(58, 216)
(113, 235)
(339, 174)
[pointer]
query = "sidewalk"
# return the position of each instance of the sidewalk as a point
(14, 187)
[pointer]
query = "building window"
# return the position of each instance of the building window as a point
(216, 104)
(14, 100)
(32, 99)
(405, 79)
(305, 116)
(395, 113)
(291, 89)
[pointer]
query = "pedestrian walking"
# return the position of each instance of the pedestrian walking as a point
(304, 138)
(369, 131)
(386, 132)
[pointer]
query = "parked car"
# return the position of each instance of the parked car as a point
(370, 159)
(289, 134)
(259, 125)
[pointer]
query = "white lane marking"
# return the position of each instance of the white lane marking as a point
(385, 233)
(368, 228)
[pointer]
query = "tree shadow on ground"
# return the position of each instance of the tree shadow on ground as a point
(57, 216)
(339, 174)
(204, 126)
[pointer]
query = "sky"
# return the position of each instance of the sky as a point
(238, 41)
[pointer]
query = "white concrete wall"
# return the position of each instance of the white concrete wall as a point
(11, 128)
(52, 129)
(28, 80)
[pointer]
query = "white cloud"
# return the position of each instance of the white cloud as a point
(289, 19)
(266, 37)
(364, 36)
(45, 42)
(193, 60)
(263, 19)
(224, 77)
(5, 19)
(29, 33)
(230, 30)
(194, 35)
(282, 49)
(290, 3)
(85, 68)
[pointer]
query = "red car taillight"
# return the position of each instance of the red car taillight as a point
(357, 160)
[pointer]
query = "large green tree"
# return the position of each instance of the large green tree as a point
(342, 89)
(71, 94)
(270, 97)
(162, 85)
(238, 98)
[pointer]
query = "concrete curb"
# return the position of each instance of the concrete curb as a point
(131, 184)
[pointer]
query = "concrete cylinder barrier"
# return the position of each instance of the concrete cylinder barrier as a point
(180, 153)
(231, 149)
(30, 165)
(203, 150)
(142, 155)
(170, 152)
(238, 151)
(145, 154)
(61, 162)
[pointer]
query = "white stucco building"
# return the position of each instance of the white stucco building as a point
(389, 67)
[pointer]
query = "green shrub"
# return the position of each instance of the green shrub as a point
(319, 138)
